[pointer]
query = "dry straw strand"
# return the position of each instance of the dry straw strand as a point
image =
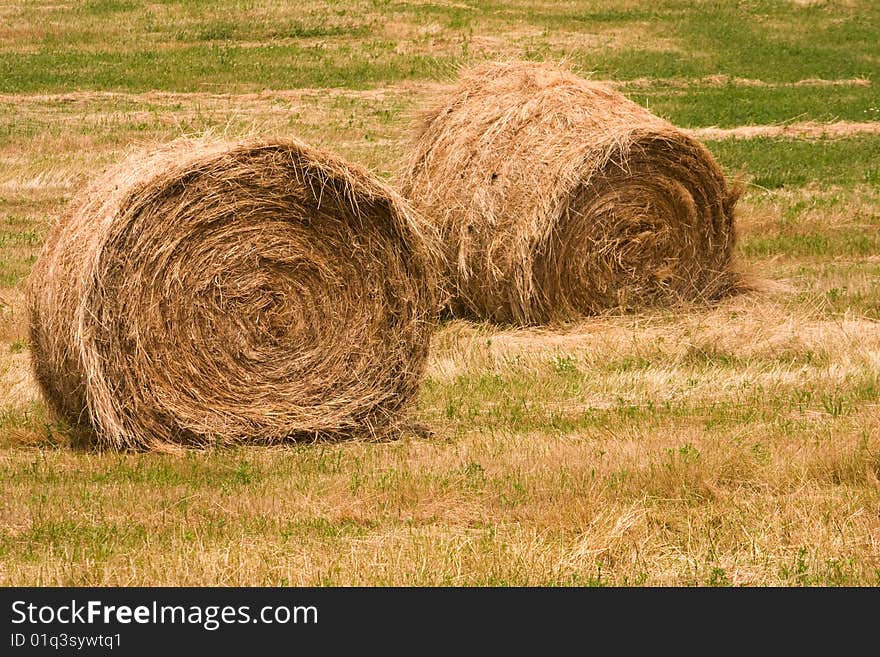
(557, 197)
(212, 292)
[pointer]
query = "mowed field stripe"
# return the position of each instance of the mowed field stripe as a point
(806, 129)
(279, 100)
(721, 80)
(420, 86)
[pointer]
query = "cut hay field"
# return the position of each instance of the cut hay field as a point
(733, 445)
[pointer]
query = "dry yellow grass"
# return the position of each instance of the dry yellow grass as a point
(707, 449)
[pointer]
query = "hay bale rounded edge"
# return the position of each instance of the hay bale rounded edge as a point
(557, 197)
(211, 293)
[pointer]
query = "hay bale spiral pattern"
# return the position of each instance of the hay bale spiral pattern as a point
(217, 293)
(557, 197)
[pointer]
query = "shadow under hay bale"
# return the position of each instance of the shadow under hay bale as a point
(557, 197)
(219, 293)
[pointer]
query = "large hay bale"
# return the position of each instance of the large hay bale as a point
(218, 293)
(557, 197)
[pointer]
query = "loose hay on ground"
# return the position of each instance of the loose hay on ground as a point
(211, 292)
(557, 197)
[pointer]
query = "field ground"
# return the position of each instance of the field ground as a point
(738, 444)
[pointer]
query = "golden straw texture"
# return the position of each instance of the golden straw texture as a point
(557, 197)
(214, 292)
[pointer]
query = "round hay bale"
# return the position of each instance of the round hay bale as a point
(221, 293)
(556, 197)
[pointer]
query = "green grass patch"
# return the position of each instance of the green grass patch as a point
(841, 242)
(783, 42)
(774, 163)
(217, 67)
(116, 44)
(735, 105)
